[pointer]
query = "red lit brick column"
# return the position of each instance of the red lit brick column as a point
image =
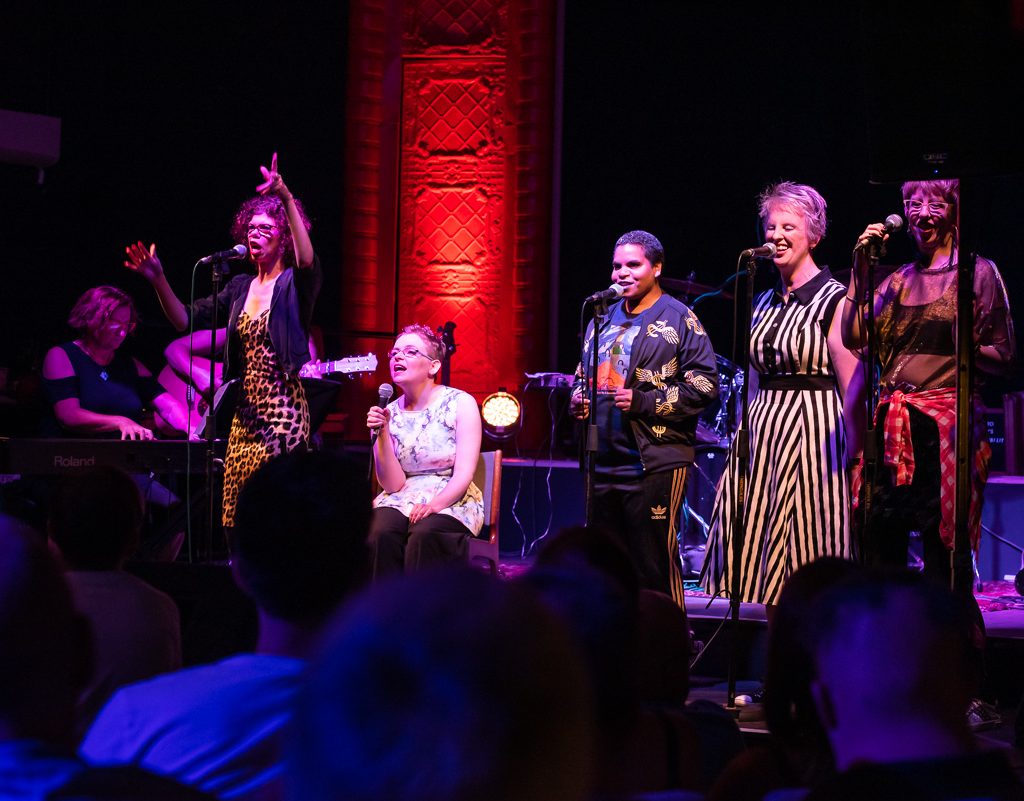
(470, 198)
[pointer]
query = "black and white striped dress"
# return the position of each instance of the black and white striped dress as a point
(798, 500)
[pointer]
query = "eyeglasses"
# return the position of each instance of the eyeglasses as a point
(263, 229)
(116, 325)
(933, 206)
(408, 351)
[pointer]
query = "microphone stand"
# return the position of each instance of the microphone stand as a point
(874, 250)
(742, 468)
(599, 309)
(961, 564)
(219, 268)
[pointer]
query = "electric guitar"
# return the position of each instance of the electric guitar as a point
(350, 366)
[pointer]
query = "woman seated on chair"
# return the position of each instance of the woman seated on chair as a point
(425, 454)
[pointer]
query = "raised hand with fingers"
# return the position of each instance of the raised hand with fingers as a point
(144, 261)
(273, 183)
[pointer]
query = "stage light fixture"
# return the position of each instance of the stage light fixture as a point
(502, 414)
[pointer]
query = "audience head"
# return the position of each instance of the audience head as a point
(95, 518)
(300, 535)
(895, 668)
(663, 650)
(443, 685)
(788, 704)
(45, 646)
(602, 617)
(594, 546)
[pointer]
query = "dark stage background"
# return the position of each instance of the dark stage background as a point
(678, 114)
(675, 116)
(168, 110)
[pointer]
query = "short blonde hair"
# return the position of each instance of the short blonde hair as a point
(800, 198)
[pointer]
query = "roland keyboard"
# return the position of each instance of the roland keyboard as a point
(35, 457)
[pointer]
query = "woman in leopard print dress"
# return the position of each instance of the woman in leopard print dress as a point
(268, 316)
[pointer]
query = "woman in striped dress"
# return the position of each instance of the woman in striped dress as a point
(801, 379)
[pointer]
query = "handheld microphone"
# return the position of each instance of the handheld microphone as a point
(766, 251)
(237, 252)
(893, 223)
(611, 293)
(384, 393)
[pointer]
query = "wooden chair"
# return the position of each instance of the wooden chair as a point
(488, 479)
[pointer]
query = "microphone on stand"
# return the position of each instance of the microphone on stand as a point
(384, 393)
(611, 293)
(766, 251)
(237, 252)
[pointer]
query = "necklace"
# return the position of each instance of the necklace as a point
(104, 375)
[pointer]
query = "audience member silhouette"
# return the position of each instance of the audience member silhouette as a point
(300, 549)
(661, 653)
(94, 520)
(595, 546)
(639, 750)
(44, 663)
(798, 753)
(664, 653)
(444, 685)
(896, 668)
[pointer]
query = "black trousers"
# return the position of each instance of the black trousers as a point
(397, 545)
(643, 512)
(896, 511)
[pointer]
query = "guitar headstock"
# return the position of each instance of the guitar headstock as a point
(351, 365)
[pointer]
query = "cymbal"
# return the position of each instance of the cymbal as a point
(689, 287)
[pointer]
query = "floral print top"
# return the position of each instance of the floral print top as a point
(424, 442)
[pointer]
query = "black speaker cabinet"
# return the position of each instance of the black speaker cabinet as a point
(944, 88)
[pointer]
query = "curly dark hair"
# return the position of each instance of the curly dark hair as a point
(273, 207)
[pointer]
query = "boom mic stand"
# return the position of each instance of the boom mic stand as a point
(742, 468)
